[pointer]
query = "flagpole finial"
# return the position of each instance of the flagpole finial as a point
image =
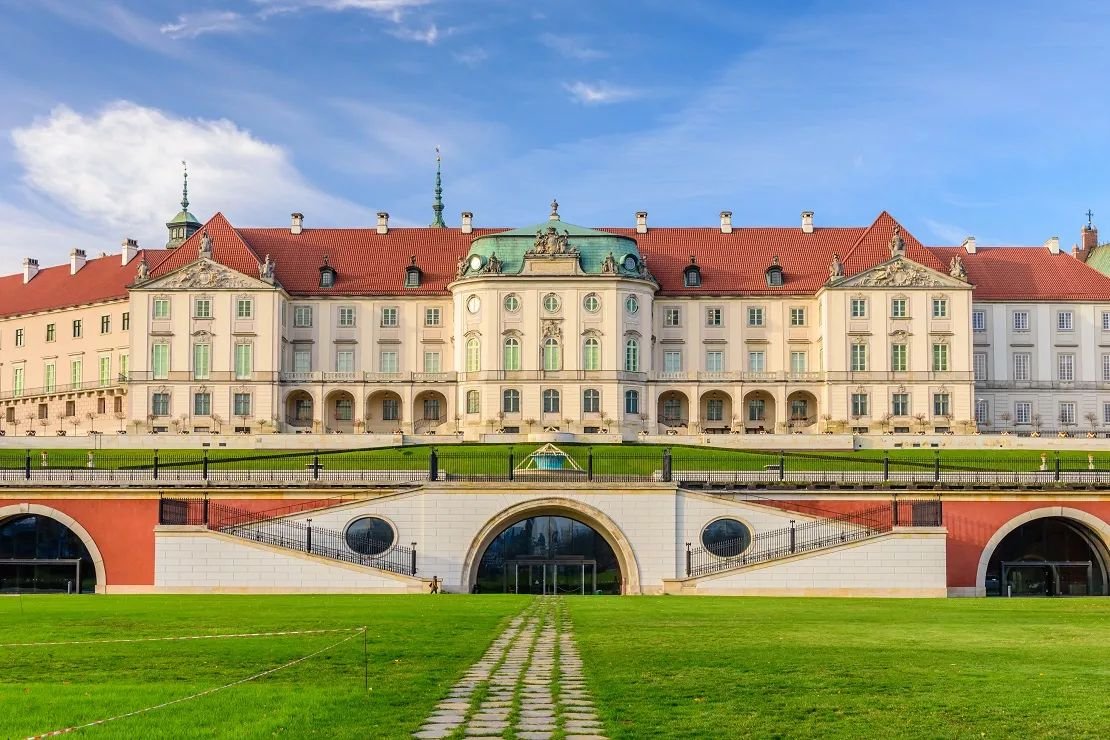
(437, 205)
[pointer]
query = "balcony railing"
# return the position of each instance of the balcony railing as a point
(318, 376)
(1056, 385)
(61, 388)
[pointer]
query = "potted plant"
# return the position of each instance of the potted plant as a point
(120, 416)
(922, 421)
(217, 423)
(1036, 420)
(1092, 422)
(827, 418)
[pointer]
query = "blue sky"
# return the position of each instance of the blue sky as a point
(960, 118)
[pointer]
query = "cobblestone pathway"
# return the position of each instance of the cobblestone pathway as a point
(528, 685)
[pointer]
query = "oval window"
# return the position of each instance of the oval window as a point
(631, 304)
(369, 535)
(726, 538)
(512, 303)
(551, 303)
(591, 303)
(473, 303)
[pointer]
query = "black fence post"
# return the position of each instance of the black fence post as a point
(782, 465)
(590, 464)
(1057, 463)
(894, 509)
(667, 463)
(205, 469)
(412, 567)
(689, 558)
(206, 511)
(27, 466)
(316, 465)
(308, 537)
(512, 464)
(793, 538)
(886, 466)
(433, 465)
(936, 466)
(154, 470)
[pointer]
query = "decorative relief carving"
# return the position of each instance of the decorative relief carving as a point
(900, 274)
(552, 329)
(493, 266)
(204, 274)
(551, 243)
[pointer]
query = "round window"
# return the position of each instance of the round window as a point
(592, 303)
(551, 303)
(631, 304)
(726, 538)
(630, 263)
(369, 535)
(473, 303)
(512, 303)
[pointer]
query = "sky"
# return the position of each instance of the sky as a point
(959, 118)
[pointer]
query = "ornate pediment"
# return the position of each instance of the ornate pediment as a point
(900, 272)
(206, 275)
(550, 243)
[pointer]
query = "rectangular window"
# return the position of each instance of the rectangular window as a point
(160, 404)
(979, 365)
(9, 414)
(859, 404)
(755, 316)
(1067, 412)
(859, 358)
(18, 337)
(899, 308)
(160, 361)
(1106, 367)
(940, 308)
(202, 361)
(125, 321)
(124, 362)
(244, 308)
(797, 317)
(77, 328)
(978, 320)
(202, 404)
(899, 358)
(302, 316)
(714, 317)
(858, 308)
(202, 308)
(71, 409)
(17, 381)
(387, 362)
(346, 316)
(105, 324)
(389, 316)
(715, 361)
(1065, 367)
(672, 317)
(1023, 412)
(104, 370)
(302, 360)
(244, 361)
(391, 409)
(242, 404)
(431, 362)
(715, 409)
(757, 409)
(1023, 366)
(757, 362)
(799, 362)
(982, 413)
(102, 405)
(1064, 320)
(942, 404)
(76, 373)
(161, 308)
(473, 402)
(345, 361)
(1106, 414)
(672, 361)
(432, 316)
(1021, 321)
(51, 333)
(50, 377)
(900, 404)
(940, 358)
(431, 408)
(1106, 320)
(44, 411)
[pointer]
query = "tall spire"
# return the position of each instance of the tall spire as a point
(185, 187)
(184, 224)
(437, 207)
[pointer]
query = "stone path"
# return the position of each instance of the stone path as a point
(528, 685)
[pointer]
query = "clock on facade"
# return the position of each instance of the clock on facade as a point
(475, 262)
(473, 303)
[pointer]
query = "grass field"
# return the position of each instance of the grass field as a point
(657, 666)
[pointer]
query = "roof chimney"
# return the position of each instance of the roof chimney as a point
(297, 226)
(76, 260)
(807, 222)
(467, 222)
(383, 222)
(1052, 244)
(969, 245)
(726, 222)
(641, 222)
(130, 247)
(30, 269)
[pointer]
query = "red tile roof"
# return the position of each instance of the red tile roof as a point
(227, 249)
(101, 279)
(1028, 274)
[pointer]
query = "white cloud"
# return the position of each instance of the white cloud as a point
(472, 57)
(119, 170)
(598, 92)
(216, 21)
(391, 8)
(429, 35)
(571, 47)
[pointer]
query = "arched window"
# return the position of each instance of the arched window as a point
(552, 356)
(473, 355)
(591, 401)
(473, 404)
(512, 353)
(510, 401)
(632, 355)
(631, 402)
(691, 276)
(591, 354)
(551, 401)
(413, 274)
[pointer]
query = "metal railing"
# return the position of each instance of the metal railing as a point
(817, 534)
(272, 527)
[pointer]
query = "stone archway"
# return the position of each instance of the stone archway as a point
(674, 410)
(299, 411)
(801, 411)
(70, 523)
(429, 411)
(1097, 528)
(584, 513)
(715, 412)
(384, 412)
(341, 412)
(758, 412)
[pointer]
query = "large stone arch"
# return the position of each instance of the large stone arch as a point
(1097, 526)
(555, 506)
(72, 524)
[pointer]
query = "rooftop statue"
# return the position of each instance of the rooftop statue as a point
(836, 268)
(897, 243)
(956, 268)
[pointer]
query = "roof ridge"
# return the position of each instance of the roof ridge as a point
(863, 236)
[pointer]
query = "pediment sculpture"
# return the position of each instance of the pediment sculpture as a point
(956, 268)
(897, 243)
(266, 270)
(206, 274)
(493, 265)
(552, 329)
(901, 274)
(836, 268)
(143, 273)
(551, 243)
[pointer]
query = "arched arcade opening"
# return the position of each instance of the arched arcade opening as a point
(1049, 556)
(39, 554)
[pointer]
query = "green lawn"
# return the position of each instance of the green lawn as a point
(733, 667)
(418, 646)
